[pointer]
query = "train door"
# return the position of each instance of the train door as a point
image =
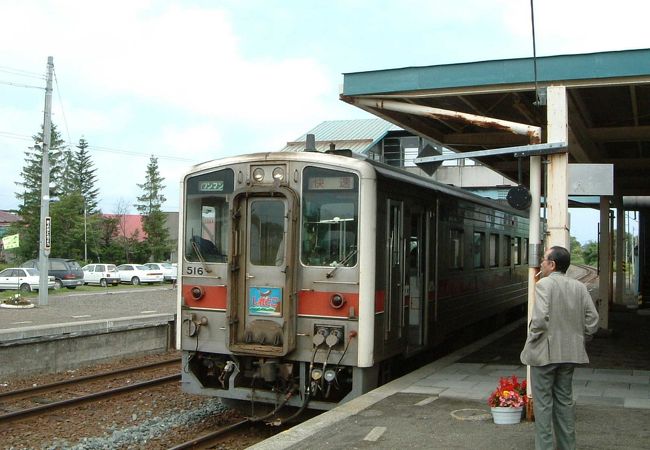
(416, 264)
(395, 300)
(261, 307)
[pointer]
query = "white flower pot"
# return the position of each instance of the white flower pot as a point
(506, 416)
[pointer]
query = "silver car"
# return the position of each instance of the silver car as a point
(168, 270)
(101, 274)
(22, 278)
(138, 273)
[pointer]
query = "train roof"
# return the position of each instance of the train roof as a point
(341, 158)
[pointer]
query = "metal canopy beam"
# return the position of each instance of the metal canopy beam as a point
(518, 151)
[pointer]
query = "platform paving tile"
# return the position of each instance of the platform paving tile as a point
(457, 384)
(417, 389)
(584, 390)
(582, 371)
(619, 392)
(437, 380)
(599, 400)
(468, 367)
(464, 395)
(519, 373)
(616, 378)
(607, 385)
(643, 403)
(641, 373)
(617, 372)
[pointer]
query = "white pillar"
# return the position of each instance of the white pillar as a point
(558, 170)
(620, 253)
(603, 263)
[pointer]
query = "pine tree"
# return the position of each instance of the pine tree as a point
(30, 190)
(82, 178)
(150, 207)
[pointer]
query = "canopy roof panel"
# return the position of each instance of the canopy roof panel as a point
(608, 97)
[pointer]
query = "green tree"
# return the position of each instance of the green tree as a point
(576, 251)
(82, 177)
(68, 227)
(29, 191)
(150, 207)
(590, 253)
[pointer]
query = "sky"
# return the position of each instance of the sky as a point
(190, 81)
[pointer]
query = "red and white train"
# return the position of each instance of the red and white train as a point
(307, 276)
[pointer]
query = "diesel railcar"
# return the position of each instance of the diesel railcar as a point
(307, 276)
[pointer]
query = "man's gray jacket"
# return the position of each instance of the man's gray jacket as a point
(563, 315)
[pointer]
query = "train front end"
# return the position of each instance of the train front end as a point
(276, 301)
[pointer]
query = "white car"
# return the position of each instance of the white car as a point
(22, 278)
(168, 270)
(101, 274)
(138, 273)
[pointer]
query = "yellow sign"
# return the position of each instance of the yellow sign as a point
(10, 241)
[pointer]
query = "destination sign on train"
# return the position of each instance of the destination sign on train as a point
(317, 183)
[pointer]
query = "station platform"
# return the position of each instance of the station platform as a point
(78, 328)
(443, 405)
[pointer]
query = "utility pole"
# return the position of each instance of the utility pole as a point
(46, 224)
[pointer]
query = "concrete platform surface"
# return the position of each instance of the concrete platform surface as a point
(443, 405)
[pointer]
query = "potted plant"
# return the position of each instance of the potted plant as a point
(508, 400)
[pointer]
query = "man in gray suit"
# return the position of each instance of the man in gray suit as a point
(563, 315)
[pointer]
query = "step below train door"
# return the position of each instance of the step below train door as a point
(262, 301)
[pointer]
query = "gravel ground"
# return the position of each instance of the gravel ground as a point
(157, 418)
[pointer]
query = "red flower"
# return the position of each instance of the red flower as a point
(509, 393)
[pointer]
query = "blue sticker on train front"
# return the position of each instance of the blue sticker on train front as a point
(265, 301)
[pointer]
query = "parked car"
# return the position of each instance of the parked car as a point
(168, 270)
(22, 278)
(66, 272)
(101, 274)
(138, 273)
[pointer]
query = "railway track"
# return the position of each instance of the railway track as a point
(209, 439)
(73, 399)
(591, 274)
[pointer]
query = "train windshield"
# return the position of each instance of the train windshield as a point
(206, 216)
(329, 217)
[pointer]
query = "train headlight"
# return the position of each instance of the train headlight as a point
(330, 375)
(196, 293)
(258, 174)
(278, 173)
(337, 301)
(316, 374)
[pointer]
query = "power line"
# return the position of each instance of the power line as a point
(58, 93)
(22, 72)
(9, 83)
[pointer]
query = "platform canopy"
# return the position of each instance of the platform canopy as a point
(608, 96)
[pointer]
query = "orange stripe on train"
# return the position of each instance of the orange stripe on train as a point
(315, 303)
(215, 297)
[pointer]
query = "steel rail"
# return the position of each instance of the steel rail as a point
(209, 438)
(46, 387)
(588, 277)
(24, 413)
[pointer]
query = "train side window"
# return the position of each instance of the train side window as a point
(478, 249)
(507, 250)
(330, 213)
(494, 250)
(456, 249)
(524, 252)
(516, 250)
